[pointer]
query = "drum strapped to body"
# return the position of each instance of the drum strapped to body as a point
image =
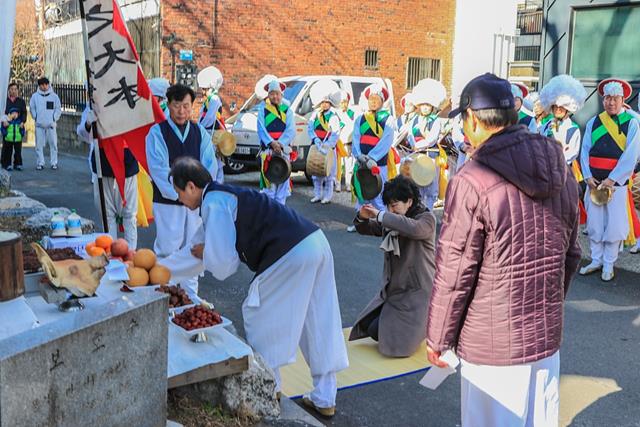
(635, 190)
(420, 168)
(319, 164)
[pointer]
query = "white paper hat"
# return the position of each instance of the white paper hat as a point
(210, 78)
(429, 91)
(563, 91)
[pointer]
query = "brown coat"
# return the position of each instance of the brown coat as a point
(406, 284)
(507, 252)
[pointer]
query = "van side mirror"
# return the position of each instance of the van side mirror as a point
(305, 107)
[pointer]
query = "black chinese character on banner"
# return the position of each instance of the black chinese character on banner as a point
(96, 14)
(112, 57)
(128, 92)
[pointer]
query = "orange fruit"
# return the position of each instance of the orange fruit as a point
(104, 242)
(89, 246)
(95, 251)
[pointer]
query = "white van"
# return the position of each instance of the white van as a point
(245, 122)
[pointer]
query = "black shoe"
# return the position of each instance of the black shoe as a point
(18, 168)
(9, 168)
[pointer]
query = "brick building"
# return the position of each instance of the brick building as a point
(403, 40)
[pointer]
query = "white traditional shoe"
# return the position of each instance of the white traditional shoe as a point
(325, 412)
(315, 200)
(338, 188)
(635, 250)
(325, 201)
(351, 229)
(591, 268)
(607, 275)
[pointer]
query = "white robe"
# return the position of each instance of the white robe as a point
(608, 225)
(323, 186)
(293, 302)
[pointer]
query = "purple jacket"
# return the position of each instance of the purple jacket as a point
(506, 253)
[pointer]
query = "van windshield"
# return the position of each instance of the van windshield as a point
(290, 93)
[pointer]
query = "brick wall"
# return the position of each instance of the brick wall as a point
(289, 37)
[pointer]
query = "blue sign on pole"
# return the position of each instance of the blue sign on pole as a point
(186, 55)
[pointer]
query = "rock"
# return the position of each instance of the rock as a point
(39, 225)
(14, 211)
(250, 394)
(5, 183)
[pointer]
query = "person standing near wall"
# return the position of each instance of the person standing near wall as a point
(46, 110)
(14, 125)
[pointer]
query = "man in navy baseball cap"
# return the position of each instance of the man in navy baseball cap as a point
(485, 92)
(509, 229)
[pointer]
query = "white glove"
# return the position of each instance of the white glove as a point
(371, 164)
(91, 117)
(363, 158)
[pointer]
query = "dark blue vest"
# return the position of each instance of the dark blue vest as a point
(189, 148)
(131, 167)
(265, 229)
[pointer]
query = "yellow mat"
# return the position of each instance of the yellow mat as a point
(366, 365)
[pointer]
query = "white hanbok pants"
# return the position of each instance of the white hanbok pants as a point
(175, 226)
(115, 208)
(377, 202)
(219, 178)
(46, 136)
(525, 395)
(294, 303)
(323, 186)
(607, 226)
(279, 192)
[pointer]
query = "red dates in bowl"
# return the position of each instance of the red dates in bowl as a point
(197, 317)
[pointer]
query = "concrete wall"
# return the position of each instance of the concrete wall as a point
(68, 140)
(249, 38)
(476, 50)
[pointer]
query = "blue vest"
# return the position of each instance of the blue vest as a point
(189, 148)
(265, 229)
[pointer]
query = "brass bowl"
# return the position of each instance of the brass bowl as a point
(601, 196)
(225, 141)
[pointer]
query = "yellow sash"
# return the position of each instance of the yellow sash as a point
(612, 129)
(276, 112)
(373, 123)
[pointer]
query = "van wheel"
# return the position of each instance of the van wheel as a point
(234, 168)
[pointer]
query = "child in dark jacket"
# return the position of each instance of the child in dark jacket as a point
(13, 134)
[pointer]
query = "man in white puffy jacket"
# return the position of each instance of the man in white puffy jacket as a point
(45, 109)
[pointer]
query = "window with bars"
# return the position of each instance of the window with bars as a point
(422, 68)
(371, 59)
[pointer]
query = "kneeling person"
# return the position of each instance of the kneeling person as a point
(397, 316)
(292, 299)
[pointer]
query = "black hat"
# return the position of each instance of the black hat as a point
(43, 81)
(485, 92)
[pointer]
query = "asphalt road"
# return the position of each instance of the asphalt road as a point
(600, 356)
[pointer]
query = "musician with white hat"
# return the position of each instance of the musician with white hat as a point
(563, 95)
(520, 92)
(610, 149)
(323, 129)
(159, 87)
(346, 116)
(373, 135)
(276, 130)
(210, 80)
(424, 133)
(408, 108)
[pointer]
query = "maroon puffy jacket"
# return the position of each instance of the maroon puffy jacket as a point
(506, 253)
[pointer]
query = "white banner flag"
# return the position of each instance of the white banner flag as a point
(122, 99)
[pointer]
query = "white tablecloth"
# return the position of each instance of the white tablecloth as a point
(16, 316)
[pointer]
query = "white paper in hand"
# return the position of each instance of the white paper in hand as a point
(435, 376)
